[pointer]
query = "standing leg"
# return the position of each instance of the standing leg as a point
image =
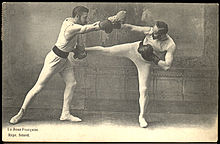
(129, 50)
(144, 79)
(51, 66)
(69, 79)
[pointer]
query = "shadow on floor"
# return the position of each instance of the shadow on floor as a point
(90, 118)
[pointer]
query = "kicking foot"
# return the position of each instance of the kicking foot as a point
(119, 17)
(142, 122)
(69, 117)
(17, 117)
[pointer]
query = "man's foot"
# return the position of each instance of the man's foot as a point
(142, 122)
(17, 117)
(69, 117)
(119, 17)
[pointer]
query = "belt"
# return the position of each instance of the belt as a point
(60, 53)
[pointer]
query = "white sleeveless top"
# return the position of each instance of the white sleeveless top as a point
(62, 43)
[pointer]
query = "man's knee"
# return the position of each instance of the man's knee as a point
(37, 88)
(143, 91)
(71, 84)
(105, 50)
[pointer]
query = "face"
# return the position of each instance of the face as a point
(83, 18)
(155, 33)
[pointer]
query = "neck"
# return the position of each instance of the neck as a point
(73, 20)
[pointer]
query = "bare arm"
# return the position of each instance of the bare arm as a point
(168, 58)
(141, 29)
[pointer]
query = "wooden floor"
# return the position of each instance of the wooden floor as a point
(109, 126)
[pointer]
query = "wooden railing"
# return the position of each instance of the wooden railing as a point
(115, 88)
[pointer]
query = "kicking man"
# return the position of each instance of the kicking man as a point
(157, 47)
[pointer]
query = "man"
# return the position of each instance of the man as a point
(157, 47)
(57, 60)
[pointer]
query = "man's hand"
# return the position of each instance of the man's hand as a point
(106, 26)
(79, 52)
(146, 52)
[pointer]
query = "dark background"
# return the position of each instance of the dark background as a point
(110, 83)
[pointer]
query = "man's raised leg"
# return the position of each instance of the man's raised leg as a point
(121, 50)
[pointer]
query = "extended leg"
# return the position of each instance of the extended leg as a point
(45, 75)
(122, 50)
(49, 69)
(69, 79)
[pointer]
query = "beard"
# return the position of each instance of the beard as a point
(156, 37)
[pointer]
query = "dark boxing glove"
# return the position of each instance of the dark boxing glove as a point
(117, 25)
(146, 52)
(106, 25)
(79, 52)
(155, 59)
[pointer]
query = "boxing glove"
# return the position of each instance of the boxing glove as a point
(117, 25)
(106, 25)
(79, 52)
(146, 52)
(155, 59)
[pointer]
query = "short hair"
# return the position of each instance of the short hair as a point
(79, 10)
(163, 27)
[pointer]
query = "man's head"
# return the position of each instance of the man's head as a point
(80, 14)
(160, 30)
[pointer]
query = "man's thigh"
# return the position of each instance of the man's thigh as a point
(67, 72)
(52, 65)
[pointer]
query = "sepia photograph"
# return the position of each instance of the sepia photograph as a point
(109, 72)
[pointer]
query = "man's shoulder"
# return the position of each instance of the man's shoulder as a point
(68, 20)
(171, 41)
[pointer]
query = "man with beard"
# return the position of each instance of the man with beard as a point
(157, 47)
(57, 60)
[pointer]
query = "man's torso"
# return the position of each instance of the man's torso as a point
(64, 43)
(160, 47)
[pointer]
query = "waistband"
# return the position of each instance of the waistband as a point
(60, 53)
(141, 43)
